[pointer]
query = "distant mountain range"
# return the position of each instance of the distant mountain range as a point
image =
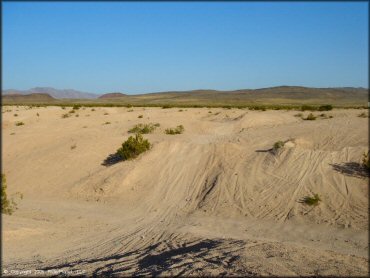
(55, 93)
(283, 95)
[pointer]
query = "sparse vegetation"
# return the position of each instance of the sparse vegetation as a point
(172, 131)
(65, 116)
(92, 109)
(180, 110)
(73, 147)
(363, 115)
(8, 206)
(326, 107)
(19, 123)
(76, 107)
(133, 147)
(166, 106)
(106, 123)
(310, 117)
(130, 110)
(15, 115)
(299, 115)
(312, 201)
(77, 115)
(37, 114)
(366, 160)
(143, 128)
(72, 111)
(278, 145)
(106, 113)
(140, 116)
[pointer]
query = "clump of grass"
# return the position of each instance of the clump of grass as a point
(13, 133)
(157, 124)
(310, 117)
(143, 128)
(73, 147)
(140, 116)
(177, 130)
(210, 112)
(326, 107)
(93, 110)
(133, 147)
(180, 110)
(366, 160)
(312, 201)
(77, 115)
(84, 126)
(8, 206)
(166, 106)
(106, 113)
(37, 114)
(278, 145)
(63, 107)
(130, 110)
(76, 107)
(19, 123)
(65, 116)
(15, 115)
(106, 123)
(72, 111)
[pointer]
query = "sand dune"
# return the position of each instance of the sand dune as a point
(212, 201)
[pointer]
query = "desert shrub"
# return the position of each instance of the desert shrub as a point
(73, 147)
(307, 107)
(143, 128)
(363, 115)
(77, 115)
(65, 116)
(106, 113)
(37, 114)
(13, 133)
(72, 111)
(93, 109)
(166, 106)
(15, 115)
(133, 147)
(177, 130)
(310, 117)
(8, 206)
(180, 110)
(19, 123)
(106, 123)
(312, 201)
(130, 110)
(140, 116)
(278, 145)
(157, 124)
(209, 111)
(63, 107)
(366, 160)
(76, 107)
(326, 107)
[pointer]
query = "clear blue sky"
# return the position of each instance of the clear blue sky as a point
(148, 47)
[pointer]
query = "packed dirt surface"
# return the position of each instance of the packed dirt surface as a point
(215, 200)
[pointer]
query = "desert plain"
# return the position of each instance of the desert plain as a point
(214, 200)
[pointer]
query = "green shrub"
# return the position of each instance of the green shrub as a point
(19, 123)
(366, 160)
(172, 131)
(278, 145)
(326, 107)
(312, 201)
(133, 147)
(310, 117)
(143, 128)
(140, 116)
(7, 206)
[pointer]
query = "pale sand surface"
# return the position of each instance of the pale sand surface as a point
(211, 201)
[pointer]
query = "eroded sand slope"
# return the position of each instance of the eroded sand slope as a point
(211, 201)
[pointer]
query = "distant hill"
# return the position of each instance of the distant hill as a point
(55, 93)
(112, 95)
(31, 98)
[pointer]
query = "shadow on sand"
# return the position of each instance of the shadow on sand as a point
(352, 169)
(112, 159)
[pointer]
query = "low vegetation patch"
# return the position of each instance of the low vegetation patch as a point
(106, 123)
(8, 206)
(366, 160)
(106, 113)
(363, 115)
(140, 116)
(133, 147)
(65, 115)
(144, 128)
(19, 123)
(15, 115)
(312, 201)
(177, 130)
(310, 117)
(72, 111)
(76, 107)
(326, 107)
(73, 146)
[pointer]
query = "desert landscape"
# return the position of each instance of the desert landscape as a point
(233, 192)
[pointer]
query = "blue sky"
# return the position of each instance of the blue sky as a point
(160, 46)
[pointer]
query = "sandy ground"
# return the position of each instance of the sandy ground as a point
(211, 201)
